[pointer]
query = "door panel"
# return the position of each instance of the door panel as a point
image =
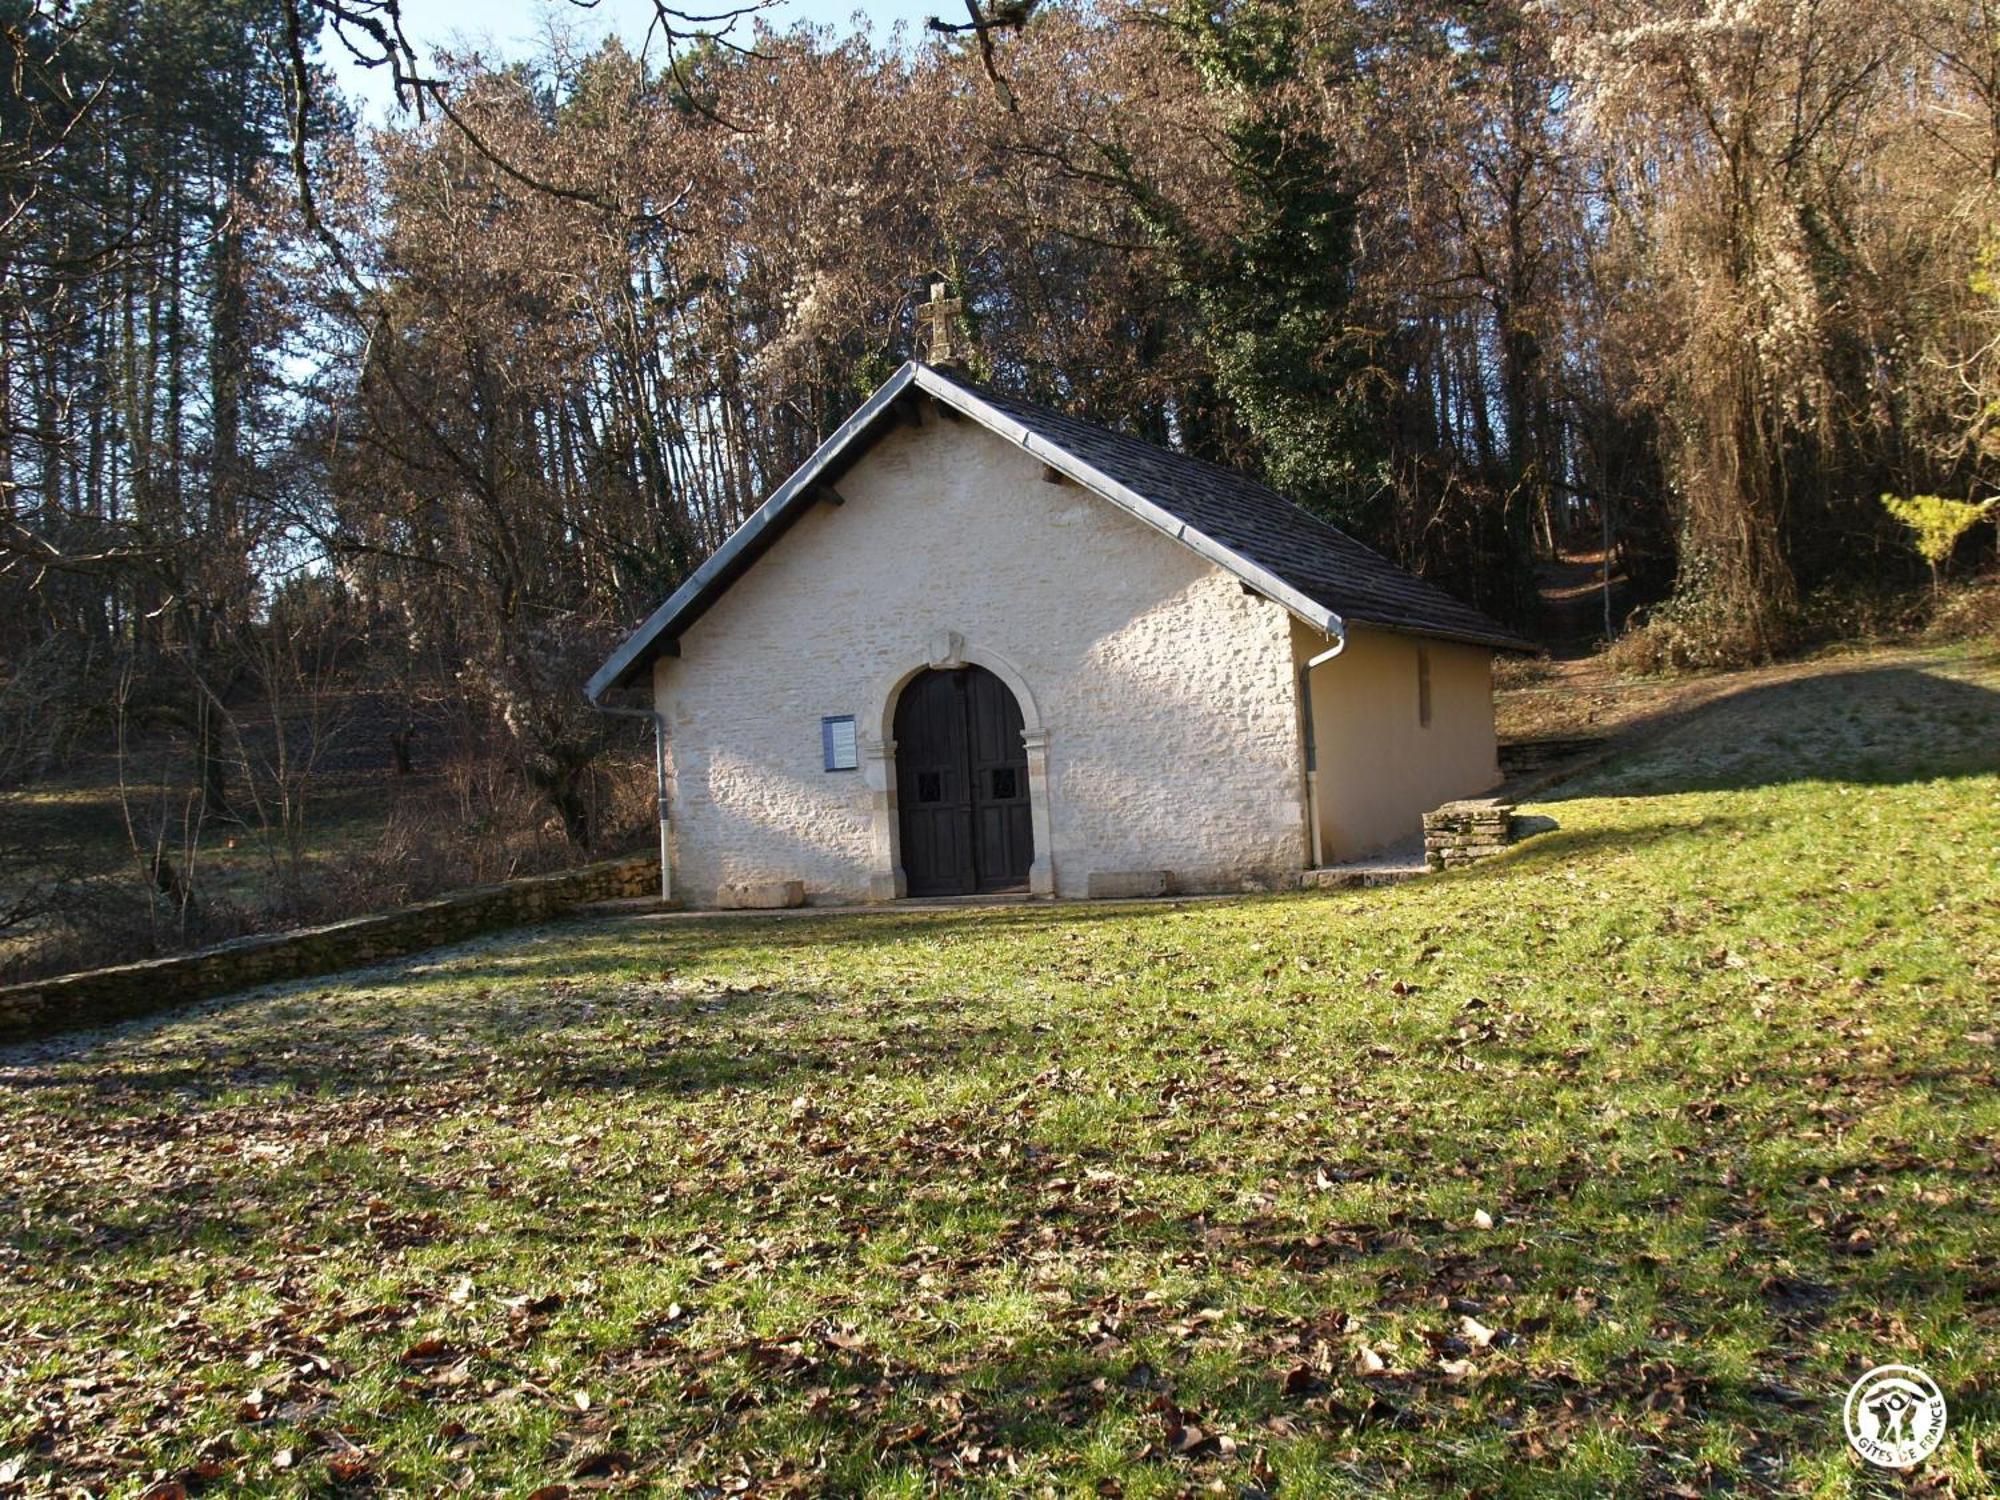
(962, 785)
(1004, 842)
(932, 794)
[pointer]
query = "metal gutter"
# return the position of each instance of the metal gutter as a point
(1312, 747)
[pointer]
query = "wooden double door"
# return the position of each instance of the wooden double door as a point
(962, 785)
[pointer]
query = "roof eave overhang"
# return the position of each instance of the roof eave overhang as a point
(1493, 642)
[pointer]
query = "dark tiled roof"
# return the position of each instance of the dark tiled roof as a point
(1310, 567)
(1319, 560)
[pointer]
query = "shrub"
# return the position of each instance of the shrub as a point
(1864, 611)
(1968, 612)
(1935, 524)
(1702, 628)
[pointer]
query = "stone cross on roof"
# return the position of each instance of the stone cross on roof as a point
(938, 319)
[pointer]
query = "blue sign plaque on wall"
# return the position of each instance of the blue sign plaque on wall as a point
(837, 743)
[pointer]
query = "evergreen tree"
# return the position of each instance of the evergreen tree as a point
(1275, 305)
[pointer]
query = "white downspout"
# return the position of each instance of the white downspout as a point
(1337, 633)
(659, 780)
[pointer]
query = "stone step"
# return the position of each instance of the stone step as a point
(761, 895)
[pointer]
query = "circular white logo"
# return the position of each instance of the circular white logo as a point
(1894, 1416)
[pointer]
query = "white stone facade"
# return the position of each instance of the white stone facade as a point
(1159, 694)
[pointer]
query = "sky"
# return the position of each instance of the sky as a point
(509, 28)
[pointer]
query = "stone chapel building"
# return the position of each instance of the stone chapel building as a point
(974, 645)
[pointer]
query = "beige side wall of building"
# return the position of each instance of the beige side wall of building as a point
(1165, 689)
(1380, 768)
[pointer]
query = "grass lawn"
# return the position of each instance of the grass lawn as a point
(1602, 1168)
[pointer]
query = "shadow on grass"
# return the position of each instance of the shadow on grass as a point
(670, 1046)
(456, 983)
(1879, 726)
(341, 1080)
(1553, 847)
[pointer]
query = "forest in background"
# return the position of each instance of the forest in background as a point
(332, 459)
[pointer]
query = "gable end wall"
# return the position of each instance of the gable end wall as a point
(1166, 689)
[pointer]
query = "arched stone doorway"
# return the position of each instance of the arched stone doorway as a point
(962, 784)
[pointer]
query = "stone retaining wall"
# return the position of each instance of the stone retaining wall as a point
(95, 997)
(1460, 833)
